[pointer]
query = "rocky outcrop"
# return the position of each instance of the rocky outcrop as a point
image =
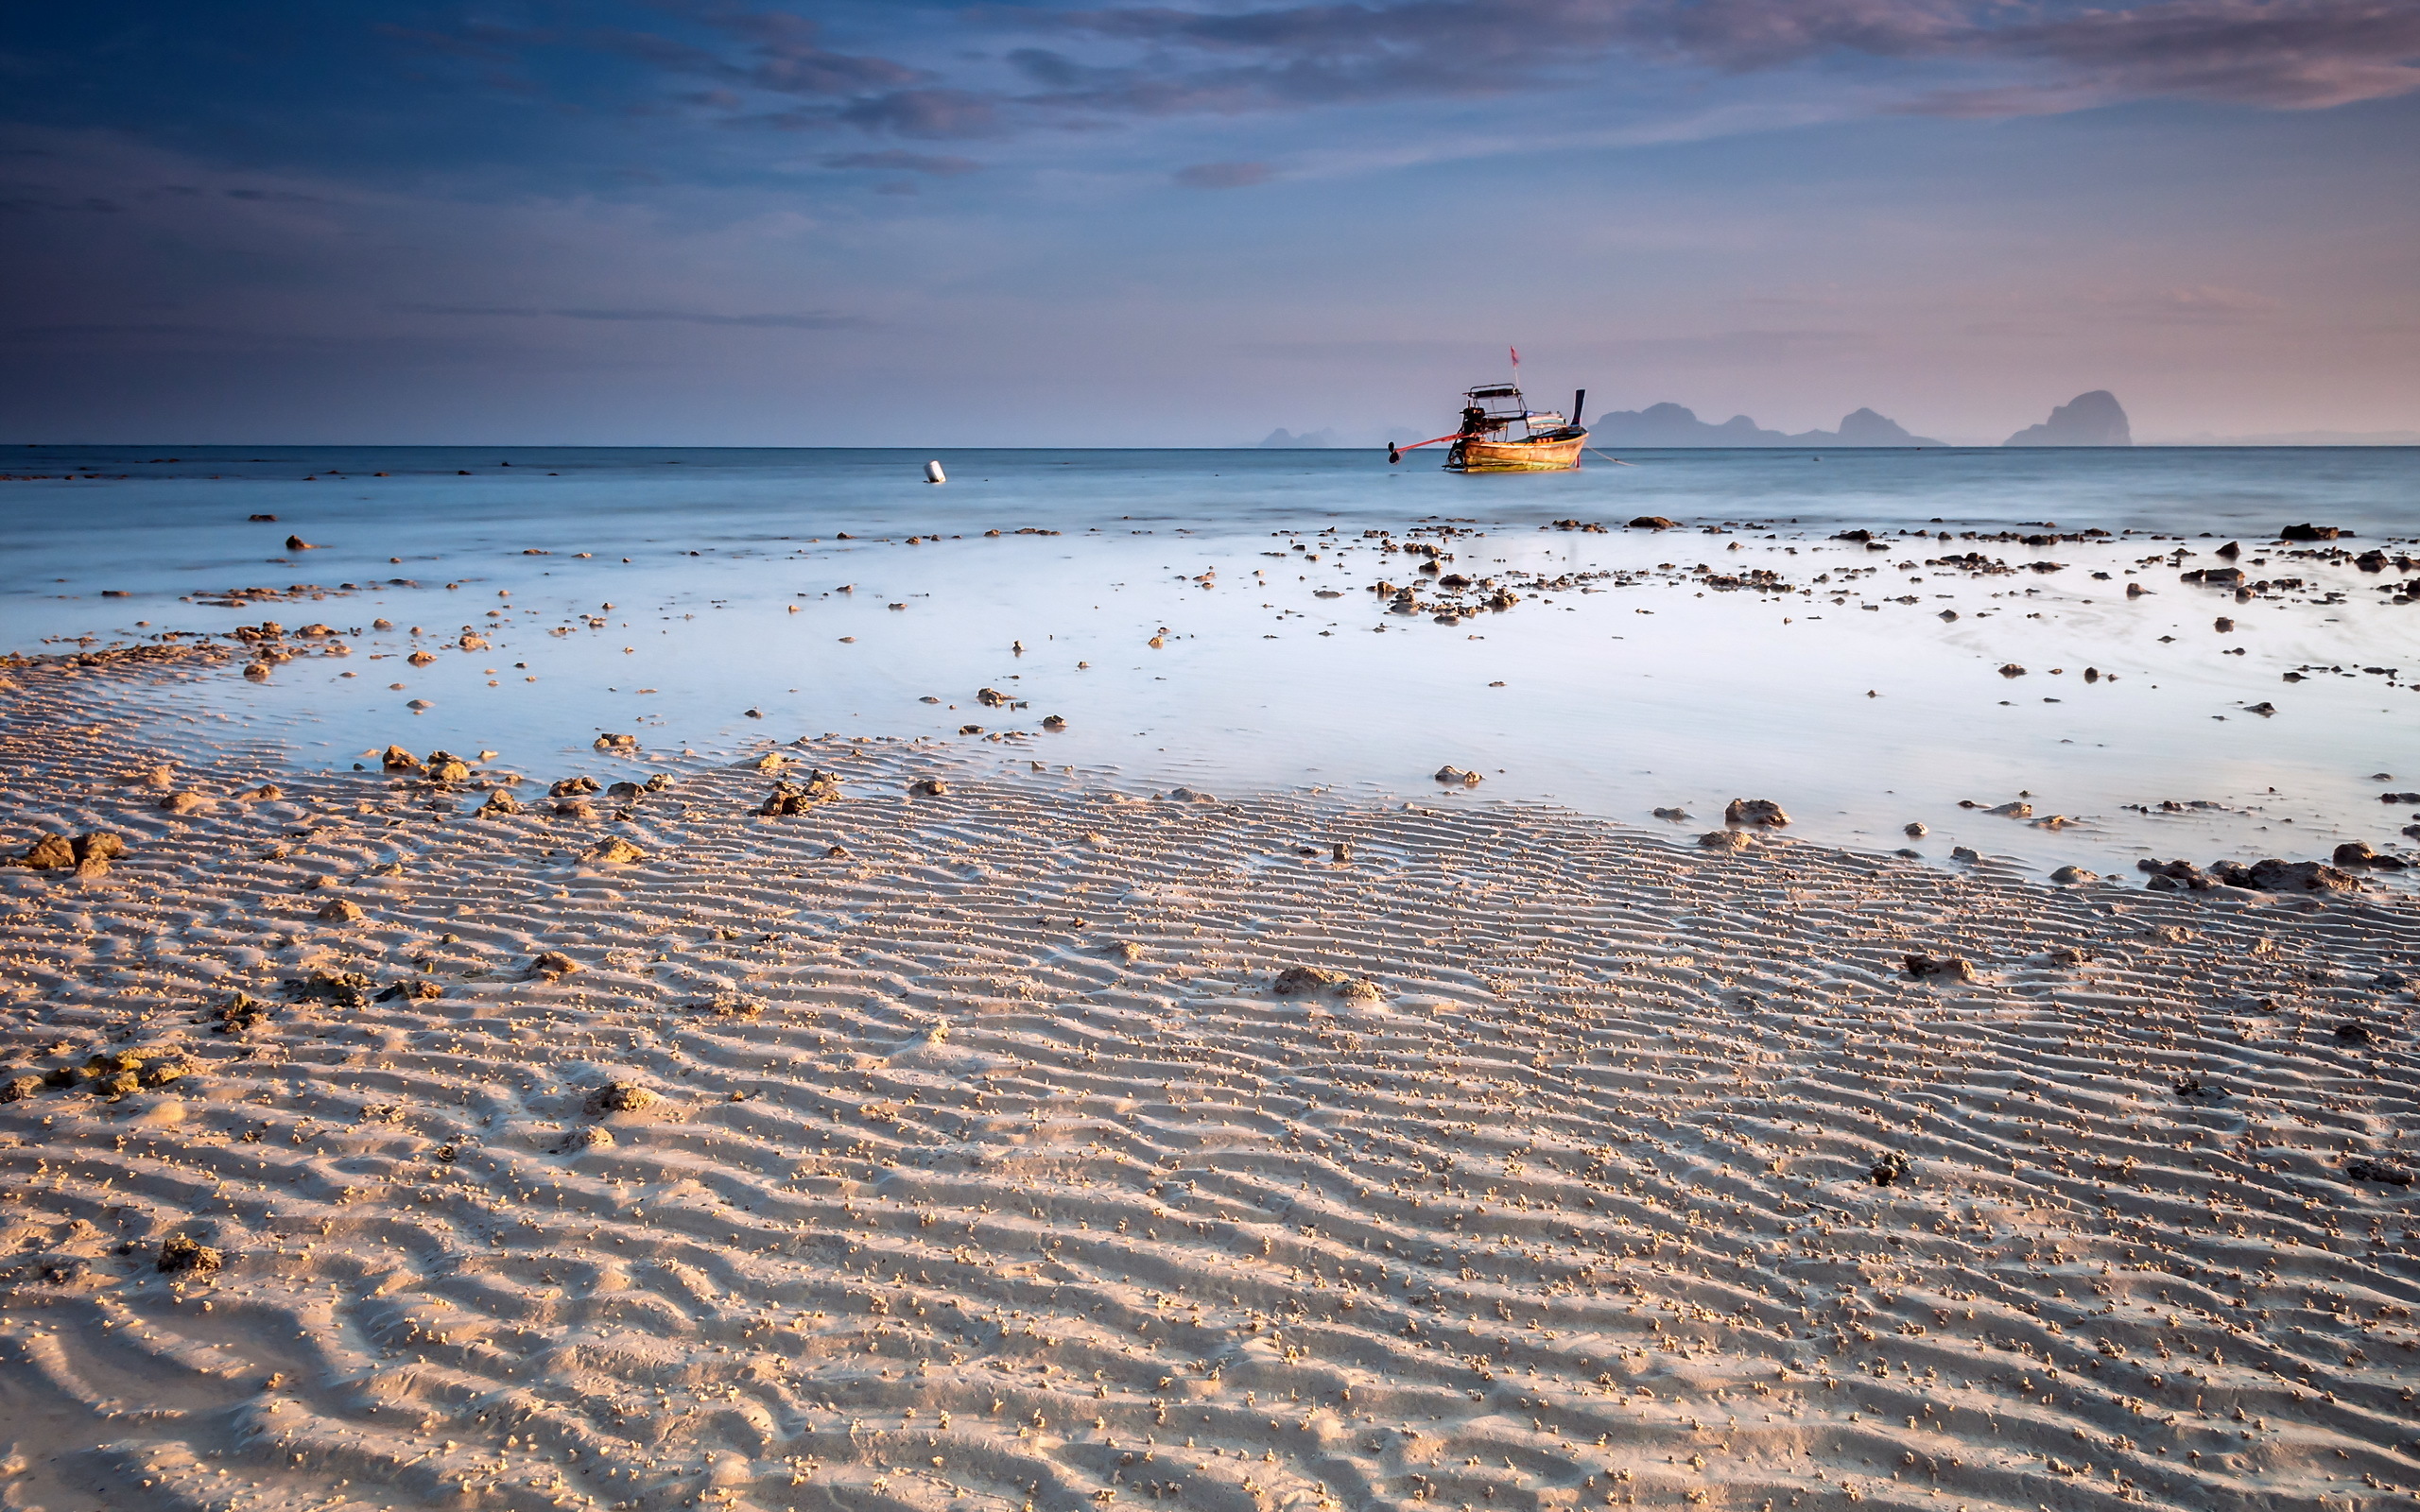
(2089, 420)
(1670, 424)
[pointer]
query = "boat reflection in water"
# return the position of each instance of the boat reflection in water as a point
(1500, 433)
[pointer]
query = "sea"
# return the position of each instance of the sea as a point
(1207, 619)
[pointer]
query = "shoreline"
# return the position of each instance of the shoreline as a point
(980, 1165)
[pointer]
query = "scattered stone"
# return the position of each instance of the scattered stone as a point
(2193, 1089)
(1124, 951)
(1918, 828)
(236, 1015)
(1754, 811)
(616, 743)
(421, 659)
(396, 759)
(1455, 774)
(620, 1097)
(928, 787)
(17, 1088)
(613, 852)
(729, 1007)
(1189, 795)
(340, 911)
(1674, 815)
(499, 803)
(1940, 968)
(1053, 723)
(181, 1256)
(1964, 852)
(2009, 669)
(573, 787)
(2354, 1032)
(52, 853)
(1342, 850)
(1732, 840)
(444, 767)
(552, 963)
(2310, 532)
(1297, 980)
(2068, 955)
(181, 803)
(417, 989)
(2264, 709)
(1654, 522)
(992, 698)
(1359, 991)
(576, 808)
(1889, 1168)
(2071, 876)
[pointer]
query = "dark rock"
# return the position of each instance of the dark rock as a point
(1889, 1168)
(573, 787)
(2193, 1089)
(620, 1097)
(928, 787)
(1654, 522)
(1754, 811)
(2354, 1032)
(499, 803)
(396, 759)
(52, 853)
(2357, 853)
(1455, 775)
(1940, 968)
(552, 963)
(417, 989)
(2310, 532)
(1730, 840)
(183, 1256)
(992, 698)
(1342, 850)
(1053, 723)
(1296, 980)
(345, 989)
(2377, 1171)
(2274, 875)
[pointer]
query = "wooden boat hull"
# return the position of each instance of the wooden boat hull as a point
(1545, 454)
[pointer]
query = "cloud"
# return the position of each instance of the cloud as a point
(896, 160)
(808, 322)
(1223, 175)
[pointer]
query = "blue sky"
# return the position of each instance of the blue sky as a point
(694, 221)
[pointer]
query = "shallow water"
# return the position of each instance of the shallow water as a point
(1617, 701)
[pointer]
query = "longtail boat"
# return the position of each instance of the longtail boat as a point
(1500, 433)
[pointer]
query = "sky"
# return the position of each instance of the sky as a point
(1186, 223)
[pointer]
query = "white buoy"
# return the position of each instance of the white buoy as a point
(933, 473)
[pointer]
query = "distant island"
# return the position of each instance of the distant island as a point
(1670, 424)
(2089, 420)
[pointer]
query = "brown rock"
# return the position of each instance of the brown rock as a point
(340, 911)
(52, 853)
(396, 759)
(181, 803)
(928, 787)
(1754, 811)
(1732, 840)
(181, 1256)
(1940, 968)
(615, 851)
(1451, 774)
(553, 963)
(620, 1097)
(1296, 980)
(499, 803)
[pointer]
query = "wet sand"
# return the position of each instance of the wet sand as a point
(955, 1150)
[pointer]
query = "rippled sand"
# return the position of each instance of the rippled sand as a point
(979, 1166)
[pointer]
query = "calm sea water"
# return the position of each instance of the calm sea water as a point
(731, 589)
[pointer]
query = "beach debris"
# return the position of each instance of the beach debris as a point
(928, 787)
(1455, 774)
(17, 1088)
(1675, 814)
(298, 543)
(1342, 850)
(616, 744)
(499, 803)
(1732, 840)
(797, 797)
(2357, 853)
(573, 787)
(620, 1097)
(1940, 968)
(344, 989)
(2009, 669)
(1754, 811)
(613, 852)
(444, 767)
(993, 698)
(417, 989)
(2380, 1172)
(396, 759)
(1054, 723)
(2071, 876)
(2310, 532)
(181, 1255)
(1653, 522)
(340, 911)
(1918, 828)
(2354, 1032)
(2194, 1089)
(1889, 1168)
(552, 963)
(236, 1015)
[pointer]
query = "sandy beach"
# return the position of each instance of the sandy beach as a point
(367, 1146)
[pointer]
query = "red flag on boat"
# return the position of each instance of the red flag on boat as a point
(1517, 355)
